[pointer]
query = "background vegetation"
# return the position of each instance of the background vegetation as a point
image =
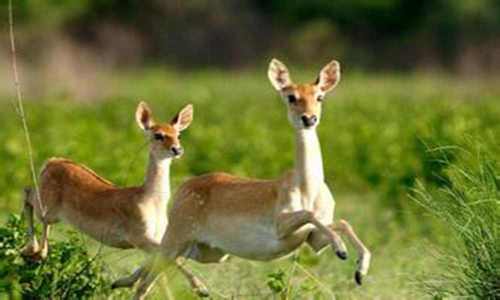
(460, 35)
(378, 136)
(409, 137)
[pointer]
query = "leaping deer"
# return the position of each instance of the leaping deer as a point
(218, 214)
(131, 217)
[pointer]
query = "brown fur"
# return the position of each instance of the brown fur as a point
(78, 195)
(170, 134)
(216, 193)
(218, 214)
(307, 101)
(118, 217)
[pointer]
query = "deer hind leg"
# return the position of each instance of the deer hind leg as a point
(138, 274)
(364, 255)
(129, 281)
(171, 248)
(32, 247)
(199, 288)
(204, 254)
(148, 274)
(290, 222)
(151, 273)
(147, 279)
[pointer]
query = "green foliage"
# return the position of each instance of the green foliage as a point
(470, 208)
(375, 134)
(276, 281)
(69, 272)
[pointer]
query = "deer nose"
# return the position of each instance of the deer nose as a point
(309, 121)
(177, 150)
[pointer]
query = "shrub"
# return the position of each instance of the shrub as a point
(277, 283)
(69, 272)
(470, 207)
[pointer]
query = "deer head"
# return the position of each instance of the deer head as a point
(164, 137)
(304, 100)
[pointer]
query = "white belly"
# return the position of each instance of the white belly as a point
(249, 239)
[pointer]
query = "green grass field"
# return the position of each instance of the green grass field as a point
(378, 134)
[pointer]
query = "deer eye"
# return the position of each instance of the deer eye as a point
(159, 137)
(320, 98)
(292, 99)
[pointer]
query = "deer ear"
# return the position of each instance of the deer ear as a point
(278, 75)
(144, 116)
(183, 118)
(329, 76)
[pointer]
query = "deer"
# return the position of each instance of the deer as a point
(219, 214)
(120, 217)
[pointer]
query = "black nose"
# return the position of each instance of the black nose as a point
(177, 150)
(309, 121)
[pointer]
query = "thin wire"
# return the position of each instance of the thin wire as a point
(20, 107)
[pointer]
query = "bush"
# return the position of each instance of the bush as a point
(69, 272)
(470, 207)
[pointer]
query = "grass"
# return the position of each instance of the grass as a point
(376, 133)
(470, 206)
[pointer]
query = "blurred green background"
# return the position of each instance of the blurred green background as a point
(458, 35)
(419, 100)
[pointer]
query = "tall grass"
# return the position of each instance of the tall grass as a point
(470, 208)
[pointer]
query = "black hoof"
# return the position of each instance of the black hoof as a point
(341, 254)
(358, 277)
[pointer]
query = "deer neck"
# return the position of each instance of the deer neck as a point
(308, 163)
(157, 183)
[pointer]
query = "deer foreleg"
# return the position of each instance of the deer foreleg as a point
(319, 241)
(32, 246)
(364, 255)
(290, 222)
